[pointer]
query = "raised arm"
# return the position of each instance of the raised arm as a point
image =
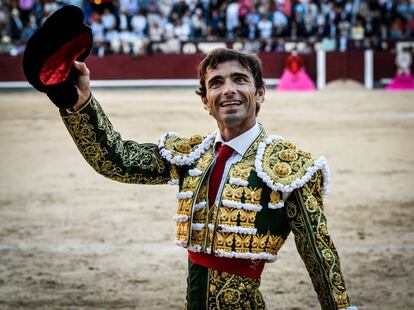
(103, 147)
(305, 211)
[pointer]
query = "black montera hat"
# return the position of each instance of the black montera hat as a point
(52, 50)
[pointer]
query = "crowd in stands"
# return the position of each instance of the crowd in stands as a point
(166, 26)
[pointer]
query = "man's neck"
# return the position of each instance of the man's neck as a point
(230, 133)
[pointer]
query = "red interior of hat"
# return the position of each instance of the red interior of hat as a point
(57, 67)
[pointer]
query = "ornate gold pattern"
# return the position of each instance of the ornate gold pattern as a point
(224, 241)
(179, 145)
(123, 161)
(229, 216)
(174, 172)
(184, 206)
(199, 216)
(197, 237)
(259, 243)
(252, 195)
(241, 170)
(275, 197)
(233, 192)
(182, 230)
(190, 183)
(243, 243)
(283, 163)
(308, 223)
(229, 291)
(247, 218)
(205, 160)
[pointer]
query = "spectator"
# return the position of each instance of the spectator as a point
(108, 20)
(328, 44)
(25, 8)
(98, 33)
(28, 29)
(139, 25)
(232, 18)
(113, 40)
(156, 32)
(280, 23)
(129, 8)
(265, 28)
(199, 24)
(15, 25)
(367, 23)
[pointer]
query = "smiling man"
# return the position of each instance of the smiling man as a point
(241, 192)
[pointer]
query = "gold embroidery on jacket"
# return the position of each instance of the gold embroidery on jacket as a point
(283, 163)
(190, 183)
(242, 242)
(144, 157)
(184, 206)
(202, 194)
(232, 192)
(247, 218)
(200, 215)
(205, 160)
(313, 242)
(197, 237)
(259, 243)
(179, 145)
(181, 230)
(174, 172)
(275, 197)
(131, 153)
(229, 216)
(252, 195)
(241, 170)
(224, 241)
(275, 243)
(229, 291)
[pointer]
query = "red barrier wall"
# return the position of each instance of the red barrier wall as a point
(117, 67)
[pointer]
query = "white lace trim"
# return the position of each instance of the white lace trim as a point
(182, 160)
(195, 172)
(278, 205)
(211, 226)
(184, 195)
(319, 164)
(241, 205)
(195, 248)
(180, 218)
(173, 182)
(200, 205)
(238, 181)
(262, 256)
(197, 226)
(238, 229)
(351, 308)
(182, 243)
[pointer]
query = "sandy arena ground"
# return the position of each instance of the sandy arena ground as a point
(70, 238)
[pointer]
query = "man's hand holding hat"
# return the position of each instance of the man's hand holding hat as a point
(51, 59)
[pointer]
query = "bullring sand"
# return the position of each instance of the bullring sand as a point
(70, 238)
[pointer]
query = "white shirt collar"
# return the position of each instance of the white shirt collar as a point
(242, 142)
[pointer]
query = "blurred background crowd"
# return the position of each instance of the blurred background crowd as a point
(172, 26)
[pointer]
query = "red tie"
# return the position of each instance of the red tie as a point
(224, 153)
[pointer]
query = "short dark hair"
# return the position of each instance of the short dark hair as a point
(220, 55)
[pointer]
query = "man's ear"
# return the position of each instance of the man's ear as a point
(205, 104)
(260, 94)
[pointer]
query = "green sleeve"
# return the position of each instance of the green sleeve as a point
(305, 212)
(106, 152)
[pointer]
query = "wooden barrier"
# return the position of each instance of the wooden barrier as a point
(339, 65)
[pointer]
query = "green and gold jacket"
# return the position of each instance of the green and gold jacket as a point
(272, 190)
